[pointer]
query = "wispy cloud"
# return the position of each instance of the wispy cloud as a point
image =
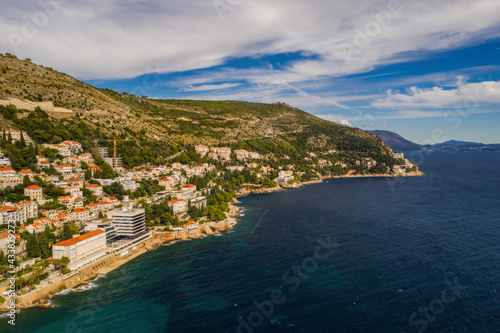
(207, 87)
(122, 38)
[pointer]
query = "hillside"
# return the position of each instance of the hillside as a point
(170, 125)
(396, 141)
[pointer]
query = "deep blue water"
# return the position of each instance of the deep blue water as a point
(423, 248)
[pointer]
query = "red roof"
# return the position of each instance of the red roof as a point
(78, 239)
(93, 185)
(25, 171)
(176, 200)
(75, 180)
(63, 166)
(32, 187)
(78, 210)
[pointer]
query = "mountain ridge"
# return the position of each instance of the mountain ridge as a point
(276, 129)
(398, 143)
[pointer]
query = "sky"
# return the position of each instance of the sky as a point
(428, 70)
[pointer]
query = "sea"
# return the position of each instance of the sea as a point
(400, 255)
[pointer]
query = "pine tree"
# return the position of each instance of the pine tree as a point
(67, 233)
(3, 258)
(23, 143)
(44, 245)
(4, 136)
(9, 138)
(32, 246)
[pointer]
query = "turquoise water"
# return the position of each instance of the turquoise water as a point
(412, 255)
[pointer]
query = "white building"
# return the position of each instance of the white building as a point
(129, 222)
(81, 250)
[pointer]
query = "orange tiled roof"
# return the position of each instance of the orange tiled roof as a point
(32, 187)
(78, 239)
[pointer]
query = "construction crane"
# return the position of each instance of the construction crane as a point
(114, 151)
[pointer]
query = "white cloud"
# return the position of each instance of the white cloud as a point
(126, 38)
(466, 95)
(345, 123)
(207, 87)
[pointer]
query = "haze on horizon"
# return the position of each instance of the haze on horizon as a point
(428, 70)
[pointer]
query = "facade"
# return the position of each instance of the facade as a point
(95, 188)
(81, 214)
(111, 161)
(101, 152)
(34, 192)
(4, 161)
(285, 176)
(129, 222)
(201, 149)
(75, 182)
(104, 224)
(82, 249)
(199, 202)
(178, 205)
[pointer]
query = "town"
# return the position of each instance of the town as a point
(80, 207)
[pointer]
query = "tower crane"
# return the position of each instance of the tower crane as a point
(114, 151)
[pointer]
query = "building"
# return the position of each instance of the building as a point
(16, 136)
(105, 206)
(20, 247)
(95, 188)
(199, 202)
(71, 202)
(129, 222)
(9, 178)
(26, 172)
(34, 192)
(201, 149)
(285, 176)
(75, 182)
(66, 171)
(111, 162)
(104, 224)
(81, 250)
(74, 191)
(38, 225)
(81, 214)
(190, 225)
(4, 161)
(178, 205)
(101, 152)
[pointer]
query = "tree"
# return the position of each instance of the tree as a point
(44, 245)
(67, 232)
(56, 139)
(32, 246)
(61, 263)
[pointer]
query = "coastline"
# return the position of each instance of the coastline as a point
(42, 297)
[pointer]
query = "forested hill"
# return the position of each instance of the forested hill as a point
(165, 127)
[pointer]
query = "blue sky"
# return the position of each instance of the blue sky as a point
(428, 70)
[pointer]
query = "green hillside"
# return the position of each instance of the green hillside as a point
(164, 127)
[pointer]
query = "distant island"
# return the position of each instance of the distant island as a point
(398, 143)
